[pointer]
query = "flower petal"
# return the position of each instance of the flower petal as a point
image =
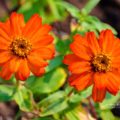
(98, 94)
(100, 80)
(35, 60)
(4, 33)
(99, 89)
(32, 26)
(43, 40)
(16, 24)
(80, 50)
(5, 73)
(80, 67)
(81, 81)
(113, 83)
(46, 52)
(23, 71)
(106, 41)
(70, 58)
(37, 71)
(81, 40)
(93, 42)
(44, 30)
(14, 64)
(5, 56)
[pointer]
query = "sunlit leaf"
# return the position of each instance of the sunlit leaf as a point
(23, 98)
(74, 11)
(48, 83)
(56, 62)
(6, 92)
(54, 103)
(76, 98)
(110, 101)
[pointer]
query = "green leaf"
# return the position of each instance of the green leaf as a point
(72, 115)
(28, 9)
(6, 92)
(90, 6)
(23, 98)
(92, 23)
(107, 114)
(76, 98)
(48, 83)
(54, 103)
(43, 118)
(56, 62)
(62, 46)
(74, 11)
(100, 25)
(109, 102)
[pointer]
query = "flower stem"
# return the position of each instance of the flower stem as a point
(89, 6)
(92, 108)
(53, 8)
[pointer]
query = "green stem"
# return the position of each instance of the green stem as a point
(89, 6)
(53, 8)
(16, 87)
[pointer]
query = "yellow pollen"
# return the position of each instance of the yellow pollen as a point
(20, 47)
(101, 63)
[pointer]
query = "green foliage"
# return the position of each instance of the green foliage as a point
(54, 103)
(56, 62)
(23, 98)
(51, 82)
(47, 9)
(75, 12)
(110, 101)
(105, 114)
(77, 97)
(50, 95)
(6, 92)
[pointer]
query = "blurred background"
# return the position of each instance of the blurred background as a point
(107, 10)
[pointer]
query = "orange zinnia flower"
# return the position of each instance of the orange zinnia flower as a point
(24, 47)
(95, 61)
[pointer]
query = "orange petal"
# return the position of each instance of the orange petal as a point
(116, 62)
(5, 56)
(80, 50)
(98, 94)
(35, 60)
(14, 64)
(116, 48)
(32, 26)
(82, 81)
(23, 71)
(16, 23)
(5, 73)
(37, 71)
(100, 80)
(46, 53)
(113, 83)
(80, 67)
(81, 40)
(4, 32)
(106, 41)
(70, 58)
(43, 40)
(4, 45)
(44, 30)
(93, 42)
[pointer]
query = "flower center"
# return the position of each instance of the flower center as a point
(20, 47)
(101, 63)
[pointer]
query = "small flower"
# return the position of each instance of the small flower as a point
(95, 61)
(24, 47)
